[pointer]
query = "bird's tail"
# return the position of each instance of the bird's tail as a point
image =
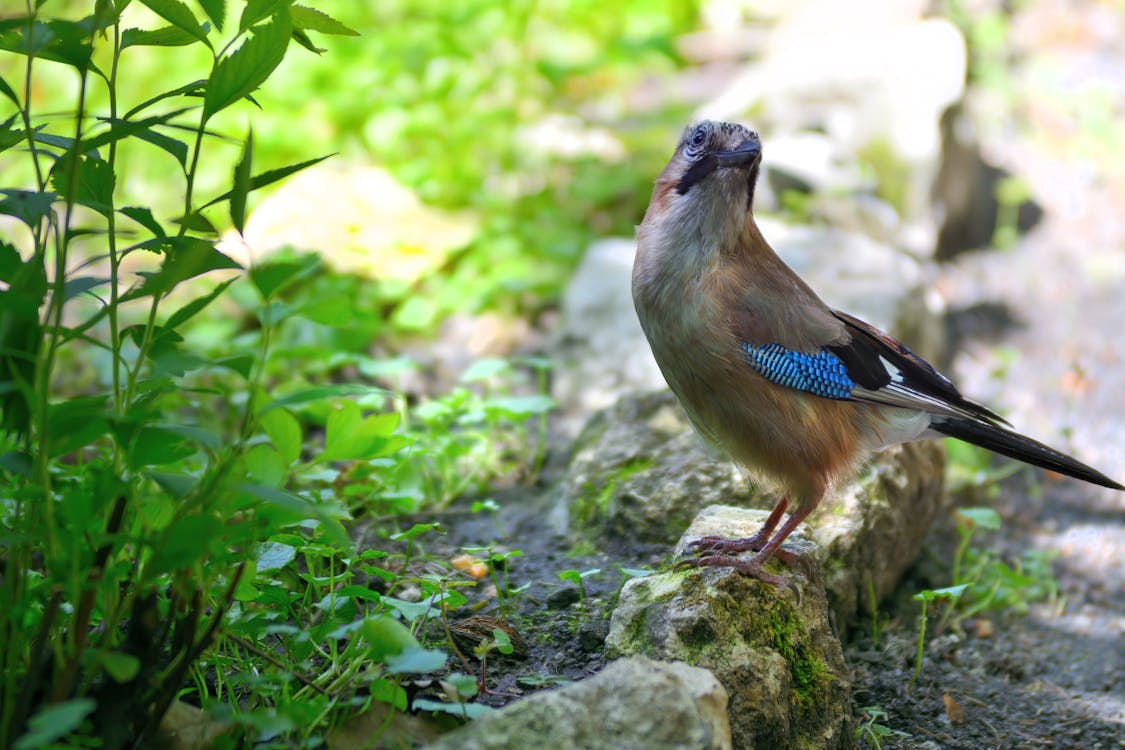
(1017, 446)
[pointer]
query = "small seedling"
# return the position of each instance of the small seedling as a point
(872, 732)
(577, 577)
(929, 595)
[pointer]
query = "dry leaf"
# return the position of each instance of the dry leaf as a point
(953, 710)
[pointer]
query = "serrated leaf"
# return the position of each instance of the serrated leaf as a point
(311, 19)
(300, 507)
(165, 36)
(179, 15)
(144, 217)
(93, 183)
(240, 73)
(269, 177)
(80, 285)
(259, 10)
(216, 10)
(29, 206)
(186, 258)
(191, 309)
(301, 38)
(7, 91)
(188, 89)
(241, 184)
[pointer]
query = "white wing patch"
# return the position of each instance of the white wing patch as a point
(894, 372)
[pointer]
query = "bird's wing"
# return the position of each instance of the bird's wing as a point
(865, 365)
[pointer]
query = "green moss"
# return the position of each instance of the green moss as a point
(593, 506)
(810, 674)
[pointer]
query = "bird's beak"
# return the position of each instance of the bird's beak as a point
(746, 153)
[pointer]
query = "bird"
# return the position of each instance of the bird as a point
(798, 393)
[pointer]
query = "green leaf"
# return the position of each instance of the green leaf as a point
(311, 19)
(269, 177)
(187, 258)
(241, 185)
(415, 314)
(184, 543)
(486, 368)
(29, 206)
(93, 184)
(265, 465)
(75, 423)
(156, 446)
(7, 91)
(259, 10)
(216, 10)
(986, 518)
(301, 38)
(193, 308)
(238, 74)
(301, 508)
(144, 217)
(179, 15)
(176, 485)
(320, 393)
(271, 276)
(416, 660)
(470, 711)
(386, 636)
(188, 89)
(80, 285)
(950, 592)
(67, 42)
(520, 407)
(284, 432)
(120, 666)
(54, 721)
(165, 36)
(351, 437)
(274, 555)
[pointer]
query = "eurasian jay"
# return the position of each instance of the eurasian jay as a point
(786, 386)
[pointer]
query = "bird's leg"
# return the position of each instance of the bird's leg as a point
(717, 544)
(754, 566)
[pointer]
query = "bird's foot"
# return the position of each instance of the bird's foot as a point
(713, 544)
(754, 566)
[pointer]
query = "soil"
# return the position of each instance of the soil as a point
(1051, 678)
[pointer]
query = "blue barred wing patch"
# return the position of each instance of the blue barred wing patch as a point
(822, 374)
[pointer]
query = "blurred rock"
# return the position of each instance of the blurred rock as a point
(775, 653)
(360, 220)
(638, 470)
(633, 704)
(882, 75)
(965, 191)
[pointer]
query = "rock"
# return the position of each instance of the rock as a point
(563, 598)
(777, 657)
(592, 634)
(600, 350)
(638, 470)
(634, 703)
(360, 220)
(891, 74)
(965, 191)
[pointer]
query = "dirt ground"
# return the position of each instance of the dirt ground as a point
(1052, 678)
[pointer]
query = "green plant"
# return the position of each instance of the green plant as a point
(577, 578)
(127, 517)
(872, 732)
(924, 598)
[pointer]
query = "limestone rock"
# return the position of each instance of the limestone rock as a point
(782, 666)
(634, 703)
(639, 470)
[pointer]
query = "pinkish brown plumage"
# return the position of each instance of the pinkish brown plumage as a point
(786, 386)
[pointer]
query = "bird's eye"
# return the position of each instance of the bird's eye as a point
(696, 142)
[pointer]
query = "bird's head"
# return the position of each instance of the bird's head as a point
(709, 183)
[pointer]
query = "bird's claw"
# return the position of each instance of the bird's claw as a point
(718, 544)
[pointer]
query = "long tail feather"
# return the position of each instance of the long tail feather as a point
(1017, 446)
